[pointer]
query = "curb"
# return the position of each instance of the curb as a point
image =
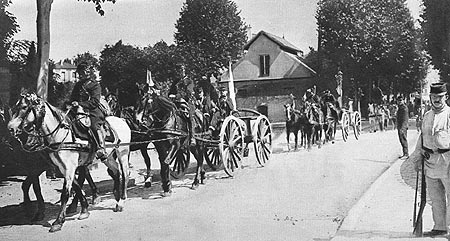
(356, 212)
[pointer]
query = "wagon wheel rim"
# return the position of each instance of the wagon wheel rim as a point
(262, 140)
(231, 145)
(213, 158)
(345, 125)
(181, 163)
(357, 125)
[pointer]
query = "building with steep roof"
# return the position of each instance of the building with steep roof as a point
(270, 70)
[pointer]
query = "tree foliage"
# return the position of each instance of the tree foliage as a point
(165, 64)
(436, 27)
(209, 34)
(371, 41)
(8, 28)
(123, 66)
(43, 40)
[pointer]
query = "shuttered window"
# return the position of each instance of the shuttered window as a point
(264, 65)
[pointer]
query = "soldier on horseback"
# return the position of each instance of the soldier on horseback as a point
(86, 93)
(330, 103)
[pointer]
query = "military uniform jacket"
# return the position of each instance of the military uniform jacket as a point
(436, 137)
(87, 93)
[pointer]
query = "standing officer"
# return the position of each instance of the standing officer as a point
(402, 125)
(86, 93)
(433, 147)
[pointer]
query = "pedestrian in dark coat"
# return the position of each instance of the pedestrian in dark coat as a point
(402, 125)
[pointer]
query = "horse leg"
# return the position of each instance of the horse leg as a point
(165, 179)
(196, 182)
(79, 194)
(199, 171)
(288, 132)
(165, 169)
(116, 186)
(124, 164)
(309, 136)
(39, 216)
(26, 194)
(148, 175)
(296, 139)
(58, 223)
(72, 208)
(95, 193)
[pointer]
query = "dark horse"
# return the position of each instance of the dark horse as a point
(139, 136)
(293, 125)
(331, 115)
(313, 121)
(170, 128)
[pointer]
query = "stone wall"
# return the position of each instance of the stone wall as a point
(274, 105)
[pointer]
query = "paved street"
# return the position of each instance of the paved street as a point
(298, 196)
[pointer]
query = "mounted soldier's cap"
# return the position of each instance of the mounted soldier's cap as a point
(82, 66)
(438, 89)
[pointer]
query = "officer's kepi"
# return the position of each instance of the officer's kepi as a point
(438, 89)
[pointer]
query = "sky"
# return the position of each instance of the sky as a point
(77, 28)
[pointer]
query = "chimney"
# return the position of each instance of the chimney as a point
(249, 33)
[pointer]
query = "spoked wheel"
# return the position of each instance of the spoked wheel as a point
(179, 166)
(262, 140)
(213, 158)
(231, 145)
(357, 125)
(345, 125)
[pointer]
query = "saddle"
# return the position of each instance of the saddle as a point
(81, 129)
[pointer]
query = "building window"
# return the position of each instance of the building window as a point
(64, 76)
(264, 65)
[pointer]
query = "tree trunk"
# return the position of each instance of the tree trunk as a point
(43, 43)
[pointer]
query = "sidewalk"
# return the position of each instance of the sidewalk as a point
(385, 211)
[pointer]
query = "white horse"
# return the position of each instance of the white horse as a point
(47, 127)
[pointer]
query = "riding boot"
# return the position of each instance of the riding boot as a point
(101, 153)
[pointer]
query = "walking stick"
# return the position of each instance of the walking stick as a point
(418, 227)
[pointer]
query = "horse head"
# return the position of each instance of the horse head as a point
(26, 119)
(155, 110)
(288, 112)
(113, 103)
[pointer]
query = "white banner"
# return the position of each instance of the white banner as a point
(231, 88)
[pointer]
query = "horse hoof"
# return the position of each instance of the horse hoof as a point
(83, 216)
(167, 194)
(118, 209)
(148, 184)
(55, 228)
(194, 186)
(38, 217)
(96, 200)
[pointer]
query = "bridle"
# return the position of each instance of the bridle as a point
(34, 128)
(153, 114)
